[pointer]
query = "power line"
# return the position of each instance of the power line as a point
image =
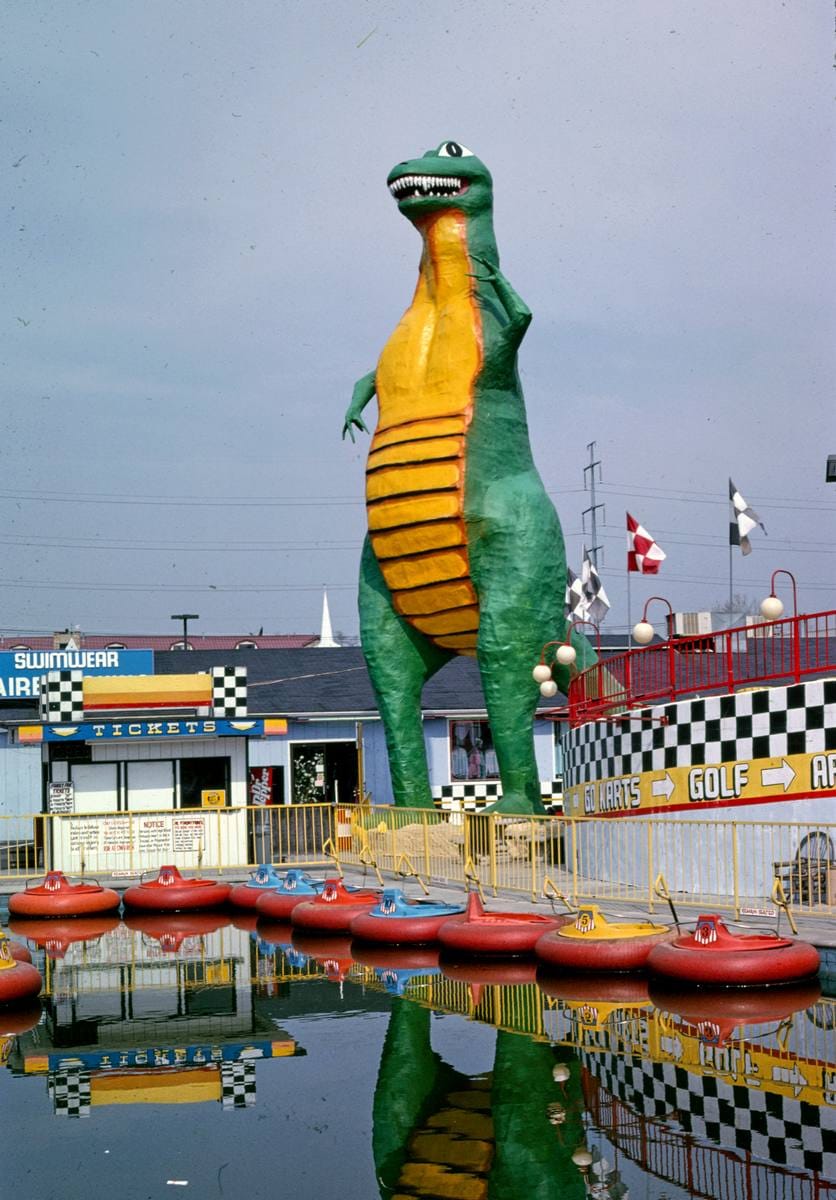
(200, 501)
(62, 585)
(684, 497)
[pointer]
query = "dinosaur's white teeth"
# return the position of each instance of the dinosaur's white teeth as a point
(411, 186)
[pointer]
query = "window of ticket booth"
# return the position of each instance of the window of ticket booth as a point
(198, 775)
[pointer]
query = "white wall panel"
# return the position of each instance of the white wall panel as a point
(150, 785)
(95, 787)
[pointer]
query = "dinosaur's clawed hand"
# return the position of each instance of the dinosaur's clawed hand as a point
(492, 271)
(352, 419)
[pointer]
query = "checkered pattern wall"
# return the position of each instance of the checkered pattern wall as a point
(229, 691)
(770, 1126)
(767, 723)
(476, 795)
(237, 1084)
(70, 1093)
(62, 697)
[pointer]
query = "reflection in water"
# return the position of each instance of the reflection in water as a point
(593, 1087)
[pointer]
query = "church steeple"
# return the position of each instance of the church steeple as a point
(326, 635)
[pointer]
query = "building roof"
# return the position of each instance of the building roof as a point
(312, 681)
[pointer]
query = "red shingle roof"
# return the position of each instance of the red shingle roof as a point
(168, 641)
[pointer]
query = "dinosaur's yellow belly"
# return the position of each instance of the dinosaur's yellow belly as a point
(416, 468)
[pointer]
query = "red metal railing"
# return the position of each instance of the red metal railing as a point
(784, 651)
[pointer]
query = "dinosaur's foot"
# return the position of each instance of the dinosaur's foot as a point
(516, 806)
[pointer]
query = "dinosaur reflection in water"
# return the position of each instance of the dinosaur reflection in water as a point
(440, 1133)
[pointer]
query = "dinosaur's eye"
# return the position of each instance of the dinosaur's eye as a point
(453, 150)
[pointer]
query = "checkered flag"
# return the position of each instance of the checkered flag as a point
(237, 1084)
(61, 698)
(643, 554)
(744, 519)
(575, 601)
(229, 691)
(597, 603)
(70, 1092)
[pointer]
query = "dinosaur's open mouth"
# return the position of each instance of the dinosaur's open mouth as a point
(408, 187)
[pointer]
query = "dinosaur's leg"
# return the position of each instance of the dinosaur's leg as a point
(400, 661)
(511, 698)
(513, 554)
(530, 1161)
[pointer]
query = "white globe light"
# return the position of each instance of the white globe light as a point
(643, 633)
(541, 673)
(548, 689)
(582, 1158)
(566, 655)
(772, 608)
(560, 1073)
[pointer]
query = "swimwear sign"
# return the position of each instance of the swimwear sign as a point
(759, 781)
(129, 731)
(21, 670)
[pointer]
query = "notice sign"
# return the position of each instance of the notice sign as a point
(84, 834)
(189, 834)
(61, 798)
(116, 834)
(154, 835)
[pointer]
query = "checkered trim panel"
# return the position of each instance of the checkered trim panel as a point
(776, 1128)
(237, 1084)
(229, 691)
(768, 723)
(70, 1093)
(474, 796)
(61, 700)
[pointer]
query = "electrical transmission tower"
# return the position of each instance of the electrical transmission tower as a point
(592, 510)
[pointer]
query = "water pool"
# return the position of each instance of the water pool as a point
(201, 1056)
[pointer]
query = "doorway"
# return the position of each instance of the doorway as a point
(323, 772)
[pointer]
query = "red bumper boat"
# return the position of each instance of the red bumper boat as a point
(171, 930)
(478, 931)
(333, 910)
(399, 921)
(56, 937)
(170, 892)
(718, 1014)
(18, 980)
(19, 952)
(260, 883)
(713, 954)
(295, 888)
(594, 944)
(57, 897)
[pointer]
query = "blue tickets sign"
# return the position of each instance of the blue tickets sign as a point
(178, 727)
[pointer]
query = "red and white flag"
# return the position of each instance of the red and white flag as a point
(643, 554)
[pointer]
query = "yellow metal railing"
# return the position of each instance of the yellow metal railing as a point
(723, 864)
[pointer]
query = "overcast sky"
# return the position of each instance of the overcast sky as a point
(201, 256)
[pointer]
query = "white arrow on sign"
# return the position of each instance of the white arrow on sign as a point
(783, 774)
(663, 787)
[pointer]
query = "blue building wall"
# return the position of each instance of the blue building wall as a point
(437, 741)
(376, 763)
(20, 791)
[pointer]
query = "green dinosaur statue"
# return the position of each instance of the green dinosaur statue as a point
(465, 552)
